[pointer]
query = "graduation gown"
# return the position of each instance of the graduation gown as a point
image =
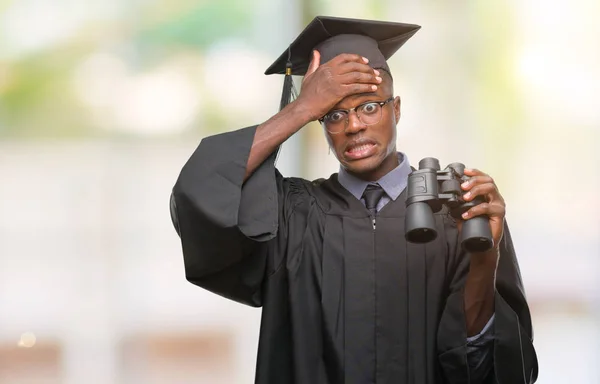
(341, 302)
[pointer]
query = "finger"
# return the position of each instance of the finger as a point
(474, 172)
(475, 180)
(348, 57)
(352, 66)
(487, 189)
(314, 63)
(356, 88)
(359, 77)
(489, 209)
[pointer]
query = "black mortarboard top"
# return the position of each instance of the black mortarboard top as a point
(331, 36)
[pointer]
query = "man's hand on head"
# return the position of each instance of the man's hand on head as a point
(326, 85)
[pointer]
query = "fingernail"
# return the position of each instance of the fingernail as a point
(378, 79)
(467, 195)
(374, 87)
(465, 184)
(365, 60)
(465, 215)
(376, 72)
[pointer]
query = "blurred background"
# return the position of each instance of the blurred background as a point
(103, 101)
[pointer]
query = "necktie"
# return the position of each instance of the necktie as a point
(372, 195)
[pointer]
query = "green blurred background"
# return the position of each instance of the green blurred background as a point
(102, 102)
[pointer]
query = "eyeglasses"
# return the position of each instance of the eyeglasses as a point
(368, 113)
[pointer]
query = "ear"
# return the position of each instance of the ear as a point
(327, 136)
(397, 103)
(328, 139)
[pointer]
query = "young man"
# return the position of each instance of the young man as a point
(345, 298)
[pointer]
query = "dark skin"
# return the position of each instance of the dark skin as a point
(382, 136)
(481, 280)
(323, 87)
(345, 82)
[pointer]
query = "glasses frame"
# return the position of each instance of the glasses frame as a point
(348, 111)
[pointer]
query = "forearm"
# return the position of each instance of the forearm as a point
(479, 291)
(274, 132)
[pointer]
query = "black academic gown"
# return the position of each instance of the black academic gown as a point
(341, 302)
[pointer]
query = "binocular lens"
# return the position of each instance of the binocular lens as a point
(420, 223)
(476, 235)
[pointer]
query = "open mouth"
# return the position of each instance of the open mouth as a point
(360, 150)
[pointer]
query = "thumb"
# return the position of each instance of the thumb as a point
(314, 63)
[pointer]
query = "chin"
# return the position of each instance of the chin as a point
(363, 166)
(370, 168)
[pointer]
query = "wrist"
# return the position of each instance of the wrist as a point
(302, 111)
(488, 259)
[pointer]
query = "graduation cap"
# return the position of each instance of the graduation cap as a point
(331, 36)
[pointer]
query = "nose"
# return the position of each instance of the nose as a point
(354, 124)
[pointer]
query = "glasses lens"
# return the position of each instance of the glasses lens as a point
(335, 121)
(369, 113)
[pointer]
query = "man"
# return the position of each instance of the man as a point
(345, 298)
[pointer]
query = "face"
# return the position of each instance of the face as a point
(368, 151)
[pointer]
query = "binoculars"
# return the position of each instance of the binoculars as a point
(428, 190)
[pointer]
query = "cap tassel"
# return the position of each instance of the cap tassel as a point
(289, 91)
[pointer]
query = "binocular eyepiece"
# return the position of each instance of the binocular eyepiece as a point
(428, 190)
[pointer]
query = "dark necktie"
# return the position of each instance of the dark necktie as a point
(372, 195)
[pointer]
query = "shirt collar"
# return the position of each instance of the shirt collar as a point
(393, 183)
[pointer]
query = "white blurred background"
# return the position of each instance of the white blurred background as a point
(102, 102)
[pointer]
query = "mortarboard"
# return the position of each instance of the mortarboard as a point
(331, 36)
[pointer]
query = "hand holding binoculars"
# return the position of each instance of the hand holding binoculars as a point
(428, 190)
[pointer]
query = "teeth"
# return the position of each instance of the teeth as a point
(361, 148)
